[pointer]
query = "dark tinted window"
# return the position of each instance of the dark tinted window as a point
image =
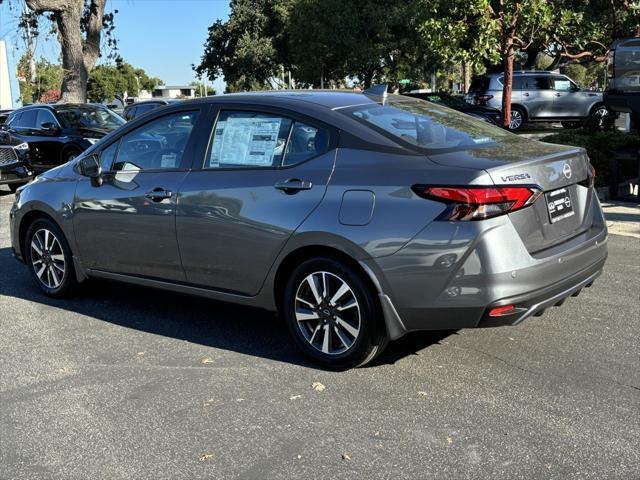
(156, 145)
(147, 107)
(304, 143)
(538, 83)
(129, 113)
(479, 84)
(89, 117)
(45, 116)
(426, 125)
(28, 119)
(517, 82)
(248, 140)
(14, 120)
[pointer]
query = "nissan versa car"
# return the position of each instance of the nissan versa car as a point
(60, 132)
(358, 217)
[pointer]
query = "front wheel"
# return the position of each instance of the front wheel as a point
(49, 258)
(332, 314)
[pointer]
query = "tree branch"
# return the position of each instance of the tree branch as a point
(91, 48)
(40, 6)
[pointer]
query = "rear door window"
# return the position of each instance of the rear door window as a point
(263, 140)
(538, 83)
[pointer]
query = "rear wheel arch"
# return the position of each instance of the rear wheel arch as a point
(523, 109)
(301, 254)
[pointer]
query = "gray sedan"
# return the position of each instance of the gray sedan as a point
(358, 217)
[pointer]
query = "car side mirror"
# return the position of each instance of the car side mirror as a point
(90, 166)
(49, 127)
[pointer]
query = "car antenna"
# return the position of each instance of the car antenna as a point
(379, 90)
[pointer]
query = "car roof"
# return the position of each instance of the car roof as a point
(165, 101)
(331, 99)
(523, 73)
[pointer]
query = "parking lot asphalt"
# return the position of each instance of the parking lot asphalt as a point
(122, 382)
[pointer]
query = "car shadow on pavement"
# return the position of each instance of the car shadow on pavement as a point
(206, 322)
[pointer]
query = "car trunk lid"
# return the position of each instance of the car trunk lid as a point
(560, 172)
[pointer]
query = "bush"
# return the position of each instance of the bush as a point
(601, 148)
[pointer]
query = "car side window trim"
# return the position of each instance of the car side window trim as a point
(185, 163)
(200, 166)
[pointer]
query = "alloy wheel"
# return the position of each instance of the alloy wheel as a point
(47, 258)
(327, 313)
(516, 120)
(600, 116)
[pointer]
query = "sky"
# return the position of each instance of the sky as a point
(164, 37)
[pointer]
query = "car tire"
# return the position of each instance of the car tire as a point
(600, 117)
(518, 119)
(337, 330)
(69, 154)
(48, 256)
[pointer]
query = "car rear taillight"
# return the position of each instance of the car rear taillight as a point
(483, 99)
(611, 70)
(478, 203)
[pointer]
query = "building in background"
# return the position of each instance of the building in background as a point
(9, 90)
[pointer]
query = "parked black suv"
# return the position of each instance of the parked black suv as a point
(15, 169)
(136, 109)
(60, 132)
(488, 114)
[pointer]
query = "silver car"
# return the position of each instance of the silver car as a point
(540, 97)
(358, 217)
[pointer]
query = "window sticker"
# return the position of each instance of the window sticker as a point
(245, 142)
(168, 161)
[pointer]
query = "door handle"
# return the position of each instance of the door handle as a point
(526, 94)
(558, 94)
(293, 185)
(158, 194)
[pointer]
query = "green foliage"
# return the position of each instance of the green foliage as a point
(48, 76)
(600, 147)
(203, 89)
(107, 81)
(250, 47)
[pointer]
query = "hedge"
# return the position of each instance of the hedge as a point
(601, 148)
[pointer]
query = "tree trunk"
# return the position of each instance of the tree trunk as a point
(466, 76)
(79, 55)
(507, 79)
(75, 75)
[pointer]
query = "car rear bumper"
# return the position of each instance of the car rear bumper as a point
(451, 274)
(623, 102)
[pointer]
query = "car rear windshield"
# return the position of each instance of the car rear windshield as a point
(89, 117)
(426, 126)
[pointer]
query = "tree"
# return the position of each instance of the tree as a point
(202, 89)
(79, 25)
(48, 77)
(249, 49)
(108, 81)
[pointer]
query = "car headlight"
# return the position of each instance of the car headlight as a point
(92, 141)
(22, 146)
